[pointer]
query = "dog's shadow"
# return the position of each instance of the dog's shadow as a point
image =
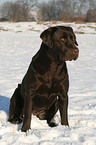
(4, 104)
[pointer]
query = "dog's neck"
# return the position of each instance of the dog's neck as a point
(52, 54)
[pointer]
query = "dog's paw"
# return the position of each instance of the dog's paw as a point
(25, 128)
(52, 124)
(66, 124)
(16, 120)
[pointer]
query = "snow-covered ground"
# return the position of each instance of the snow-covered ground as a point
(18, 43)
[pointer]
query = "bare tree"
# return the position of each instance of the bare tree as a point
(91, 15)
(66, 12)
(56, 10)
(80, 7)
(5, 9)
(19, 10)
(43, 12)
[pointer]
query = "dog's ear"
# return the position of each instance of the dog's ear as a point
(47, 36)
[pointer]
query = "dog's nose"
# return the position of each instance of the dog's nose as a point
(76, 51)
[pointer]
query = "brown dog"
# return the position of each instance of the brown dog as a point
(45, 86)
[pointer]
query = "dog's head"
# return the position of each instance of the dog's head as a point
(61, 40)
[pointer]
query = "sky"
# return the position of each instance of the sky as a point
(3, 1)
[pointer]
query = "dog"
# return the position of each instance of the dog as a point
(44, 88)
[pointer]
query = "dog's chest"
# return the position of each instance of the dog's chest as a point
(57, 72)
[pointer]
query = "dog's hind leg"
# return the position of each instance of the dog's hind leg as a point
(16, 109)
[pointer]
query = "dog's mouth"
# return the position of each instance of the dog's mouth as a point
(75, 58)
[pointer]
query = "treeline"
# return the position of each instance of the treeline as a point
(18, 11)
(68, 10)
(65, 10)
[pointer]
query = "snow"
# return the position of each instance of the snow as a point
(18, 43)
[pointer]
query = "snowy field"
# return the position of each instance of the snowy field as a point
(18, 43)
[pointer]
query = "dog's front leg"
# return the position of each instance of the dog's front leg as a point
(63, 108)
(27, 113)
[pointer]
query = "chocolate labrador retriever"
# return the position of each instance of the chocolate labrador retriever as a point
(45, 86)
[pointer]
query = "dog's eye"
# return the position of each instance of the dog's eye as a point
(64, 40)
